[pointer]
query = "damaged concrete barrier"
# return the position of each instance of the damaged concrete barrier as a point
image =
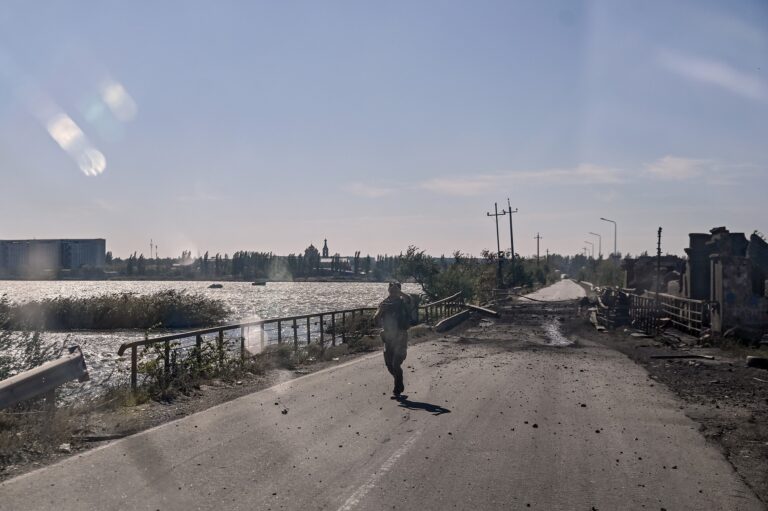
(452, 321)
(44, 379)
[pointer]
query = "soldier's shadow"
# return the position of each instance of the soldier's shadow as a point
(404, 402)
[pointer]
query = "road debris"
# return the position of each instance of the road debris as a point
(758, 362)
(683, 355)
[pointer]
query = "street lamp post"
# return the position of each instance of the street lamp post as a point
(591, 245)
(599, 244)
(615, 251)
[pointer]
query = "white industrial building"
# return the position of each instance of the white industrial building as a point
(40, 256)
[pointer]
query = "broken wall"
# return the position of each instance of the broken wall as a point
(737, 305)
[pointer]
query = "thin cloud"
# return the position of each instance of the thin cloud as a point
(674, 168)
(199, 194)
(367, 191)
(484, 183)
(717, 73)
(462, 186)
(710, 172)
(106, 205)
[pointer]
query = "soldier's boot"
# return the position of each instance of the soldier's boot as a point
(399, 387)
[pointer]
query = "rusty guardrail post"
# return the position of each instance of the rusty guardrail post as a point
(166, 358)
(220, 347)
(134, 367)
(199, 344)
(333, 328)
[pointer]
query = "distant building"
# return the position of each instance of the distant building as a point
(27, 257)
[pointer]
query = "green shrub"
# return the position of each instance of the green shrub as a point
(185, 369)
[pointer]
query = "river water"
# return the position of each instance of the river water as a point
(244, 300)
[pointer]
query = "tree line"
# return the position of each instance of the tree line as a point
(255, 265)
(438, 276)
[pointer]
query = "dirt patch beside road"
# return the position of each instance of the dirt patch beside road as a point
(727, 399)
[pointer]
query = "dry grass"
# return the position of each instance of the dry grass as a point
(35, 432)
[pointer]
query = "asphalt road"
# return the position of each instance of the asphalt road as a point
(563, 290)
(495, 419)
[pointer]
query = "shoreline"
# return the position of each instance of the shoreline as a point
(156, 278)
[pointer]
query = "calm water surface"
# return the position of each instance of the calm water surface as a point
(244, 300)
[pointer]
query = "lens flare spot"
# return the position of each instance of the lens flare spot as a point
(64, 131)
(73, 141)
(91, 161)
(94, 111)
(119, 101)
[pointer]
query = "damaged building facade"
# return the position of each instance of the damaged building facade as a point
(722, 285)
(729, 271)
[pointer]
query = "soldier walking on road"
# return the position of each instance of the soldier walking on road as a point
(394, 315)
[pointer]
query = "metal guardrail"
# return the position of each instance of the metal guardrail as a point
(441, 308)
(44, 380)
(685, 314)
(303, 329)
(643, 313)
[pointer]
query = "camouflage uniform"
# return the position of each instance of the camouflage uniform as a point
(395, 318)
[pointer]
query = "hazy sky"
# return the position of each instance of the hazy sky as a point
(269, 125)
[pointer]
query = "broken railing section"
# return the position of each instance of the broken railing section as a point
(652, 312)
(43, 380)
(431, 312)
(249, 338)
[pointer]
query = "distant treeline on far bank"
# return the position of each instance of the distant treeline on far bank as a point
(255, 266)
(437, 275)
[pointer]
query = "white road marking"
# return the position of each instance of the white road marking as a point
(360, 493)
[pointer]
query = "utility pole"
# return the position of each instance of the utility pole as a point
(538, 239)
(591, 245)
(547, 256)
(511, 239)
(496, 216)
(151, 248)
